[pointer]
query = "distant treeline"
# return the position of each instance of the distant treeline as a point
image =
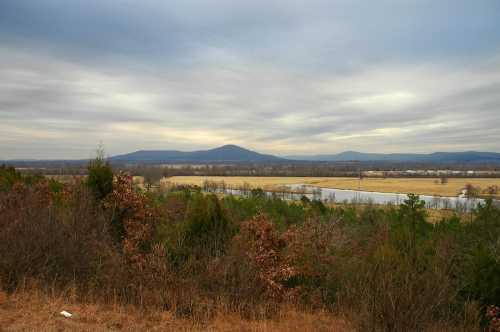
(316, 169)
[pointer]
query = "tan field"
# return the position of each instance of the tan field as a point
(253, 181)
(421, 186)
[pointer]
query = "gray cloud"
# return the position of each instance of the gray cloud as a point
(282, 77)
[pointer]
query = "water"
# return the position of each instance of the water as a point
(344, 195)
(356, 196)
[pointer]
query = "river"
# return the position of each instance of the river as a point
(332, 195)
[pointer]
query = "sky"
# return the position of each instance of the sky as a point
(284, 77)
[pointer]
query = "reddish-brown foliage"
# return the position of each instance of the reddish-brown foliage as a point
(493, 315)
(264, 249)
(136, 218)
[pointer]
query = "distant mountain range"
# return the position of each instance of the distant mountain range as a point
(436, 157)
(237, 154)
(226, 153)
(234, 153)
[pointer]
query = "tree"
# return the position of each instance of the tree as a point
(413, 213)
(471, 191)
(257, 193)
(100, 175)
(152, 176)
(305, 200)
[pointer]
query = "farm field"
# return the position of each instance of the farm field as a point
(421, 186)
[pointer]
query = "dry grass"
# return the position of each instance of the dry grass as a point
(421, 186)
(34, 311)
(254, 181)
(436, 215)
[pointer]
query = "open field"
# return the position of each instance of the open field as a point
(254, 181)
(33, 311)
(421, 186)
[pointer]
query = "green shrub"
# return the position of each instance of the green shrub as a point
(206, 227)
(100, 177)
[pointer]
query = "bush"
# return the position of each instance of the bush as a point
(199, 230)
(387, 291)
(9, 176)
(54, 242)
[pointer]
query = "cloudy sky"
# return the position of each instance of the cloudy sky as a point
(282, 77)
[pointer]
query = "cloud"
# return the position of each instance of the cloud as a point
(281, 77)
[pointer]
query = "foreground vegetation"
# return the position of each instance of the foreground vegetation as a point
(421, 186)
(31, 310)
(102, 241)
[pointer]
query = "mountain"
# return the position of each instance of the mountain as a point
(361, 156)
(436, 157)
(226, 153)
(237, 154)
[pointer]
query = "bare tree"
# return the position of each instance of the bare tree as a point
(472, 191)
(152, 176)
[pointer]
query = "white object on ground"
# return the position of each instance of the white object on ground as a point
(66, 314)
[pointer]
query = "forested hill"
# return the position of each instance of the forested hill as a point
(226, 153)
